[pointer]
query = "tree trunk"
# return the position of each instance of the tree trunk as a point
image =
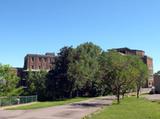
(71, 94)
(118, 96)
(138, 90)
(77, 93)
(118, 99)
(123, 95)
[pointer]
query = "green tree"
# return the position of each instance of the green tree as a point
(58, 85)
(116, 72)
(83, 70)
(8, 81)
(141, 73)
(36, 84)
(157, 73)
(130, 76)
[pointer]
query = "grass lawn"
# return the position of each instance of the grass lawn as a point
(38, 105)
(130, 108)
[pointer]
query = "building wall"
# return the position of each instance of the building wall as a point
(149, 62)
(140, 53)
(39, 62)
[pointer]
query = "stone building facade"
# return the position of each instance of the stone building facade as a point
(146, 59)
(36, 62)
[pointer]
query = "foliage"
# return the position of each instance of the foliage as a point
(36, 84)
(75, 73)
(115, 71)
(8, 81)
(122, 72)
(58, 85)
(141, 73)
(83, 70)
(87, 71)
(157, 73)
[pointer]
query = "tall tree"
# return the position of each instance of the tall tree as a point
(8, 81)
(36, 84)
(141, 73)
(116, 72)
(83, 69)
(58, 85)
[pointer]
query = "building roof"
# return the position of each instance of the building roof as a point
(41, 55)
(148, 57)
(128, 49)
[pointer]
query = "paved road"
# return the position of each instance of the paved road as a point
(70, 111)
(155, 97)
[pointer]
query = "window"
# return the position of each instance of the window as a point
(51, 67)
(32, 59)
(32, 67)
(40, 59)
(45, 59)
(50, 60)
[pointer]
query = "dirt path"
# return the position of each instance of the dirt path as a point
(70, 111)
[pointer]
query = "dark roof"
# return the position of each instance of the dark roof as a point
(126, 48)
(148, 57)
(41, 55)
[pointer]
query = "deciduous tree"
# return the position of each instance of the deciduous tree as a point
(8, 81)
(83, 69)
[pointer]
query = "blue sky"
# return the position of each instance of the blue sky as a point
(39, 26)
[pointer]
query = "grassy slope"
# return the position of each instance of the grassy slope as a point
(47, 104)
(131, 108)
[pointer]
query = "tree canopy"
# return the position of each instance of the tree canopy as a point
(8, 81)
(83, 69)
(86, 70)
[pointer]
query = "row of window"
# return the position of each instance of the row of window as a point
(41, 59)
(39, 67)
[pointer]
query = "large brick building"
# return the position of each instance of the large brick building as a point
(36, 62)
(146, 59)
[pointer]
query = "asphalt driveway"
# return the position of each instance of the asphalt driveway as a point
(70, 111)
